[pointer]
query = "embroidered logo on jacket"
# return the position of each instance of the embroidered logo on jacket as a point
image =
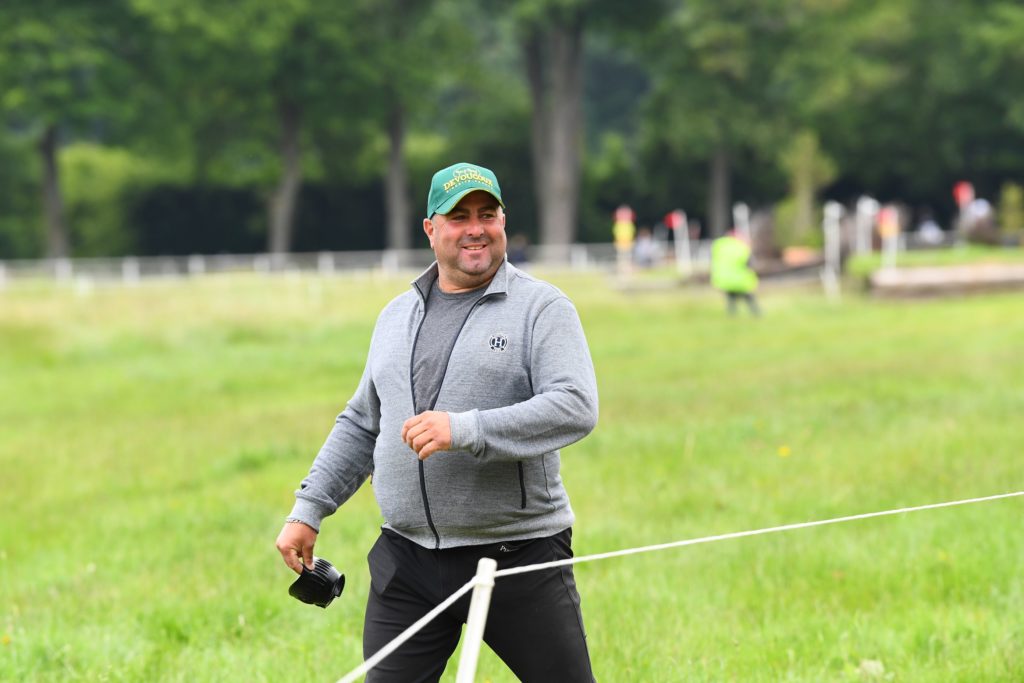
(498, 342)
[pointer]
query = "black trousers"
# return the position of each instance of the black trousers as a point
(534, 622)
(733, 297)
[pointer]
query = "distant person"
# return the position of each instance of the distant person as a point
(646, 250)
(929, 232)
(981, 222)
(476, 378)
(624, 234)
(731, 272)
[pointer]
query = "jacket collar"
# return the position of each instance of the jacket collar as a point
(497, 285)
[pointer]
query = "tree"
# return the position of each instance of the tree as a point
(552, 45)
(712, 64)
(809, 170)
(63, 66)
(246, 76)
(905, 99)
(413, 50)
(997, 37)
(551, 35)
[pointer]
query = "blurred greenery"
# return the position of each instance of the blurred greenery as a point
(579, 105)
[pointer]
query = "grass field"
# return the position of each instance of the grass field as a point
(151, 438)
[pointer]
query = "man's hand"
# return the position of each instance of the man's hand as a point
(295, 543)
(427, 433)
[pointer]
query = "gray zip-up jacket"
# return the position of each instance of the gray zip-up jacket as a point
(519, 385)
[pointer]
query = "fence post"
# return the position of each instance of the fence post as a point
(196, 264)
(325, 263)
(578, 259)
(681, 240)
(63, 269)
(130, 271)
(478, 606)
(833, 250)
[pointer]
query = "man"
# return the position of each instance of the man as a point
(731, 272)
(474, 381)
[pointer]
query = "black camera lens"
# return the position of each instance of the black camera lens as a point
(319, 586)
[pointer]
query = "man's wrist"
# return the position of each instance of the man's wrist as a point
(296, 520)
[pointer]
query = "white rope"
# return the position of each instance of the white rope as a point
(741, 534)
(427, 618)
(404, 636)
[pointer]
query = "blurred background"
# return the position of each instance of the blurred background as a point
(182, 127)
(151, 436)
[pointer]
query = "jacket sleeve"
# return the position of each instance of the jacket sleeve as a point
(346, 458)
(563, 408)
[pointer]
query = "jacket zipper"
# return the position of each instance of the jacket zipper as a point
(433, 402)
(423, 481)
(522, 485)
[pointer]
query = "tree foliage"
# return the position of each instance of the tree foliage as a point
(64, 68)
(579, 105)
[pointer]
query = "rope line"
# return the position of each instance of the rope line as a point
(405, 635)
(741, 534)
(429, 616)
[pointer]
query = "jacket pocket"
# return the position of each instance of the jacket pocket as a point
(382, 565)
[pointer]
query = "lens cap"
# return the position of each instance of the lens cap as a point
(319, 586)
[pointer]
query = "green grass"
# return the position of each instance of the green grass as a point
(151, 438)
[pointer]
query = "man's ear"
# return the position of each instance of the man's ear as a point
(428, 227)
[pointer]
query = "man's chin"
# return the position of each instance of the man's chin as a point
(476, 266)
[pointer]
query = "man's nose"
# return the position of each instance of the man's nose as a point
(474, 226)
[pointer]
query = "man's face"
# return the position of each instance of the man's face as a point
(468, 241)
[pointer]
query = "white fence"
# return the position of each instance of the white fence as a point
(133, 269)
(483, 582)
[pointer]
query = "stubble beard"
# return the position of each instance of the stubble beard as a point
(473, 270)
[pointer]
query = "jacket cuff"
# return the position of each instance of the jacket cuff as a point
(308, 513)
(465, 428)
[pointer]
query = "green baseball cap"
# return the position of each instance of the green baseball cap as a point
(450, 185)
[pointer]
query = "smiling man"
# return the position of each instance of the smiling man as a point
(475, 379)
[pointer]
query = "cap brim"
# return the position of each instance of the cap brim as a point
(451, 202)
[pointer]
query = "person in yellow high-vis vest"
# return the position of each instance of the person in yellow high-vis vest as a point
(624, 235)
(731, 272)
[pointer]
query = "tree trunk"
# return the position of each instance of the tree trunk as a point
(719, 193)
(57, 242)
(539, 121)
(284, 199)
(554, 65)
(397, 183)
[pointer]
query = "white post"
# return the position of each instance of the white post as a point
(867, 209)
(483, 583)
(130, 271)
(389, 261)
(889, 229)
(684, 260)
(830, 273)
(741, 220)
(891, 248)
(578, 257)
(325, 263)
(196, 264)
(63, 269)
